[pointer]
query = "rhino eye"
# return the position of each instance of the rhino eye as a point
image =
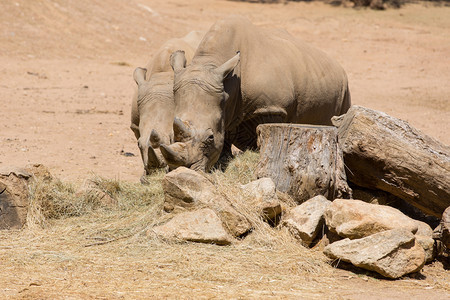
(208, 142)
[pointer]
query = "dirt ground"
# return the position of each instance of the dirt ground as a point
(66, 84)
(66, 69)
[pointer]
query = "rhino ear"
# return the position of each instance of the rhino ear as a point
(178, 60)
(139, 75)
(229, 65)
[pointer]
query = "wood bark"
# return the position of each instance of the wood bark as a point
(386, 153)
(302, 160)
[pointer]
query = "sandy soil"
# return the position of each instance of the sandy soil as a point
(66, 86)
(66, 69)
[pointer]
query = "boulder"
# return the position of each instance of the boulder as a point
(14, 198)
(423, 229)
(427, 243)
(445, 227)
(187, 189)
(306, 220)
(356, 219)
(424, 236)
(263, 195)
(392, 253)
(203, 226)
(384, 198)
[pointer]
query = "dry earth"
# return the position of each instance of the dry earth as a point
(65, 90)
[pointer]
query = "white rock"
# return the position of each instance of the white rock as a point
(356, 219)
(202, 226)
(188, 189)
(391, 253)
(263, 195)
(306, 220)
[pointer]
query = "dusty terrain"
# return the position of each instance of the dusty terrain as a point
(65, 90)
(66, 69)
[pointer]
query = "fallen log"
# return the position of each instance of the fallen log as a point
(386, 153)
(302, 160)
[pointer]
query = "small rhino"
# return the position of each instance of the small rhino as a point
(152, 107)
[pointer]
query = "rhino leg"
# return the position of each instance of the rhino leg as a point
(245, 134)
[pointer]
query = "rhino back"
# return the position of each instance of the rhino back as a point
(278, 74)
(161, 60)
(160, 63)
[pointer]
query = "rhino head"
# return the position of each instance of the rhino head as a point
(199, 127)
(156, 109)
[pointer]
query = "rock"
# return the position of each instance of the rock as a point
(202, 226)
(392, 253)
(424, 232)
(235, 151)
(263, 195)
(445, 227)
(384, 198)
(39, 170)
(424, 236)
(423, 229)
(306, 220)
(356, 219)
(440, 248)
(187, 189)
(13, 198)
(427, 244)
(329, 237)
(437, 232)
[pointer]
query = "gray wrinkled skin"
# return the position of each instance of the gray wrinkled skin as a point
(222, 96)
(153, 105)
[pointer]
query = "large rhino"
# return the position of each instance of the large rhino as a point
(152, 108)
(219, 101)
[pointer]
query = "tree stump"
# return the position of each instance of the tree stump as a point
(386, 153)
(302, 160)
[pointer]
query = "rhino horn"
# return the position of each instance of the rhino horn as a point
(172, 157)
(229, 65)
(178, 60)
(155, 139)
(139, 75)
(181, 131)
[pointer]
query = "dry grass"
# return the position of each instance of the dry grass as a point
(75, 246)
